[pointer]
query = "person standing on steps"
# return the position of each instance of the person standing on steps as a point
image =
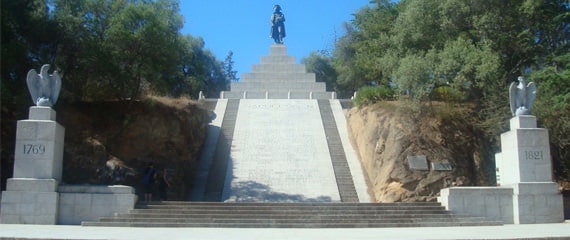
(148, 181)
(277, 25)
(163, 185)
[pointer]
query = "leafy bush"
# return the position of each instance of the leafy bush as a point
(370, 95)
(445, 94)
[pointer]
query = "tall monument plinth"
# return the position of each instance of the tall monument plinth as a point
(31, 195)
(39, 146)
(278, 76)
(525, 166)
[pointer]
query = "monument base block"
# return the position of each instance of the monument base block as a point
(493, 203)
(537, 203)
(89, 203)
(30, 201)
(522, 203)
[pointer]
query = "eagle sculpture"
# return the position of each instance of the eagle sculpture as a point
(521, 97)
(43, 87)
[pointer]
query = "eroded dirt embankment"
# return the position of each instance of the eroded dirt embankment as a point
(384, 136)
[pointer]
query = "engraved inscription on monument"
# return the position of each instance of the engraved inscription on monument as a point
(34, 149)
(533, 155)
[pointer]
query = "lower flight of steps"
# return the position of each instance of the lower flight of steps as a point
(289, 215)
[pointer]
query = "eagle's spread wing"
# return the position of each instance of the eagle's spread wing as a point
(55, 85)
(530, 95)
(514, 97)
(33, 81)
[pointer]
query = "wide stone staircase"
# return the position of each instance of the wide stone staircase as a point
(289, 215)
(278, 156)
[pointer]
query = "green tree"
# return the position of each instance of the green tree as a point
(476, 48)
(322, 66)
(231, 74)
(552, 108)
(27, 33)
(361, 55)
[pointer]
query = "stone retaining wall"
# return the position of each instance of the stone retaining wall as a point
(79, 203)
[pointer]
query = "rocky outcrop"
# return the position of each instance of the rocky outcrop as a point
(384, 138)
(112, 142)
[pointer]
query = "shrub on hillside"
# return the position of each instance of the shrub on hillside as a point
(445, 94)
(370, 95)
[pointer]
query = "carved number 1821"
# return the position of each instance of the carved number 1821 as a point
(533, 155)
(35, 149)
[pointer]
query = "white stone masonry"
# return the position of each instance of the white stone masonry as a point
(278, 76)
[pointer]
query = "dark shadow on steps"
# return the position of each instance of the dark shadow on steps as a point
(217, 172)
(250, 191)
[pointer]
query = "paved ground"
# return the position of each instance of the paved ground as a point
(528, 231)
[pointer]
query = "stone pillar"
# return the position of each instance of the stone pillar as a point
(525, 166)
(31, 195)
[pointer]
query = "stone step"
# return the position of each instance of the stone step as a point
(287, 204)
(337, 217)
(283, 86)
(278, 68)
(297, 207)
(267, 224)
(277, 50)
(289, 215)
(278, 77)
(292, 212)
(278, 59)
(305, 219)
(277, 94)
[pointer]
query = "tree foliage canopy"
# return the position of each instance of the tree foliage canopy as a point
(476, 48)
(119, 49)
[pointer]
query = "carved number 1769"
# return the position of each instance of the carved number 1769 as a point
(34, 149)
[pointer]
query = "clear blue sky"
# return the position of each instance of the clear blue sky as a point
(243, 26)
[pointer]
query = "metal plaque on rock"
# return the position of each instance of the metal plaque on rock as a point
(441, 166)
(417, 163)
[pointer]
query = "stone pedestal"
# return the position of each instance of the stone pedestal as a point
(537, 203)
(278, 76)
(524, 166)
(31, 196)
(525, 155)
(494, 203)
(30, 201)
